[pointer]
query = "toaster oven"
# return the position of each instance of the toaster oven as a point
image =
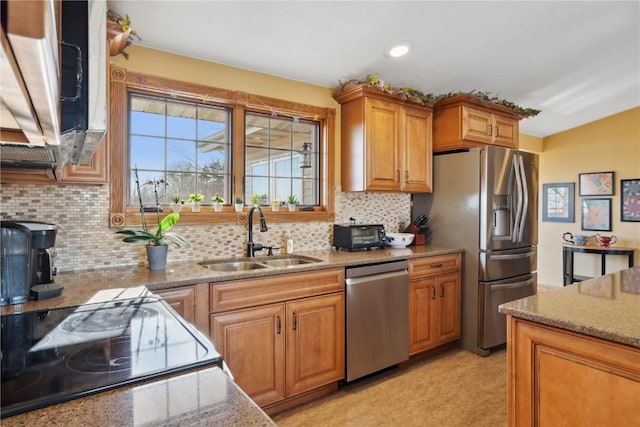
(357, 237)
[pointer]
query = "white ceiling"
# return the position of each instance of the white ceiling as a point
(576, 61)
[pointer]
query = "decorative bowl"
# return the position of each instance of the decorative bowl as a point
(399, 240)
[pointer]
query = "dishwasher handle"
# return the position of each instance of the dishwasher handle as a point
(374, 269)
(377, 277)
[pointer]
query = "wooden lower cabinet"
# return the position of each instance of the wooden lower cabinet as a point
(190, 302)
(252, 344)
(557, 377)
(289, 343)
(434, 302)
(315, 342)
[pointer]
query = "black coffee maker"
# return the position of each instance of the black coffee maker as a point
(26, 253)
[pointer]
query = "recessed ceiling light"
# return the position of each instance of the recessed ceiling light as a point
(399, 49)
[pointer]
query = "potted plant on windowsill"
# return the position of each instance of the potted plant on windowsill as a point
(176, 205)
(218, 201)
(291, 203)
(239, 205)
(157, 242)
(195, 200)
(275, 205)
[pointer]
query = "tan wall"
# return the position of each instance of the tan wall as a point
(609, 144)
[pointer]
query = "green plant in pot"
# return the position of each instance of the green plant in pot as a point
(195, 200)
(291, 203)
(157, 241)
(119, 33)
(239, 205)
(218, 201)
(177, 203)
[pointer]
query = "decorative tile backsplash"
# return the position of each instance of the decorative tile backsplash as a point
(85, 241)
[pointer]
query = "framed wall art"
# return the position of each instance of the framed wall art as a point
(596, 214)
(596, 184)
(630, 200)
(557, 202)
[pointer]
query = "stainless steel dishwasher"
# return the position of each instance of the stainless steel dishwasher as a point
(377, 331)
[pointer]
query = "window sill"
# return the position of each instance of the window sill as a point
(229, 217)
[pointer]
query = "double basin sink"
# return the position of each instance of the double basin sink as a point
(246, 264)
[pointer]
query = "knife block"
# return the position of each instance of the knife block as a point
(418, 238)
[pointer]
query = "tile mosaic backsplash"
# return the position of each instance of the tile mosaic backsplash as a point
(85, 241)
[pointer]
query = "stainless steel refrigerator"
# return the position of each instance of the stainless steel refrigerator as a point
(485, 201)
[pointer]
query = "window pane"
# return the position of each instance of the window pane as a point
(257, 161)
(212, 157)
(181, 184)
(195, 138)
(259, 186)
(147, 152)
(275, 148)
(181, 155)
(147, 116)
(181, 121)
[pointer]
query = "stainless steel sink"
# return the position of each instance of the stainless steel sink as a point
(232, 265)
(248, 264)
(286, 262)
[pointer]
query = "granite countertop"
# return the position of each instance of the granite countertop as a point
(84, 286)
(606, 307)
(205, 397)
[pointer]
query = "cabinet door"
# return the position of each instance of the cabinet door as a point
(448, 307)
(315, 342)
(477, 125)
(505, 131)
(556, 377)
(422, 304)
(182, 300)
(382, 167)
(252, 344)
(417, 150)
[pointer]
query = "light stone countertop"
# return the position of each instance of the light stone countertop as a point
(606, 307)
(86, 286)
(205, 397)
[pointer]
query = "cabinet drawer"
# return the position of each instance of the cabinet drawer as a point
(430, 266)
(251, 292)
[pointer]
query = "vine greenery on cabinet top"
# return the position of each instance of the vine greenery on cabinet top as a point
(415, 95)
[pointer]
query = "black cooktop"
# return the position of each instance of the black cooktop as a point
(61, 354)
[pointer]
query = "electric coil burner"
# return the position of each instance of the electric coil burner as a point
(61, 354)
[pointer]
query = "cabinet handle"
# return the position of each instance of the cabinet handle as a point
(406, 176)
(295, 321)
(279, 325)
(435, 265)
(497, 131)
(433, 292)
(397, 175)
(441, 291)
(490, 130)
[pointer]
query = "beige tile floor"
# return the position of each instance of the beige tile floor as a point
(455, 388)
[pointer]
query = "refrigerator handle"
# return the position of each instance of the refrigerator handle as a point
(525, 194)
(513, 285)
(517, 218)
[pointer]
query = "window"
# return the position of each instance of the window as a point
(211, 140)
(183, 143)
(281, 158)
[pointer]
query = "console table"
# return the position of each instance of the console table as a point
(569, 250)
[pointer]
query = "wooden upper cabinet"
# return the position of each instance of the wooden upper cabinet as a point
(465, 122)
(386, 142)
